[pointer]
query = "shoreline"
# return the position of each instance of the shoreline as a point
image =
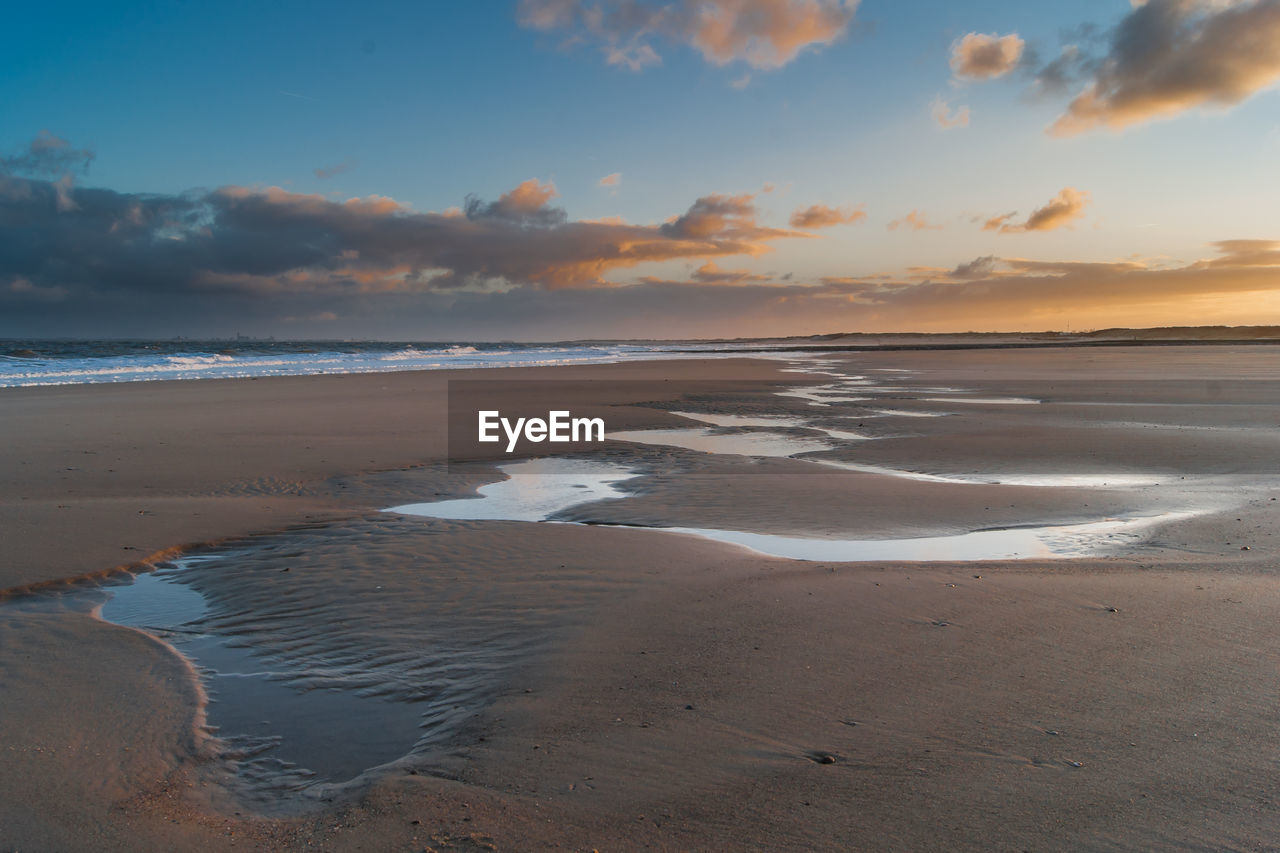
(1002, 345)
(99, 362)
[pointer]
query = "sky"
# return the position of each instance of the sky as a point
(570, 169)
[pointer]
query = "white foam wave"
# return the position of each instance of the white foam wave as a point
(136, 367)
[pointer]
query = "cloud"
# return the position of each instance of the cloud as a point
(47, 155)
(945, 118)
(729, 217)
(325, 172)
(610, 180)
(710, 273)
(121, 247)
(213, 263)
(633, 57)
(767, 33)
(1000, 222)
(916, 220)
(83, 261)
(764, 34)
(525, 205)
(821, 216)
(22, 287)
(1017, 290)
(1170, 56)
(1072, 65)
(977, 268)
(988, 293)
(978, 56)
(1063, 209)
(318, 317)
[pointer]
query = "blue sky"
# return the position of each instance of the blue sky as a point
(427, 103)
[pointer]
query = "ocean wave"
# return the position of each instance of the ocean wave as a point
(402, 355)
(197, 360)
(141, 366)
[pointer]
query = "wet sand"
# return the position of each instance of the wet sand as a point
(99, 476)
(612, 688)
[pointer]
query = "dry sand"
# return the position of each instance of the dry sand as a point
(618, 689)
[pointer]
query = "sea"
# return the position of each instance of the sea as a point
(77, 362)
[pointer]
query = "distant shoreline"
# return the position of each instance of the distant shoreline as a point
(976, 345)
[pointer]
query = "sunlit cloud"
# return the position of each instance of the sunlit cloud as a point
(764, 34)
(526, 205)
(711, 273)
(1062, 210)
(916, 220)
(610, 180)
(978, 56)
(1170, 56)
(730, 217)
(821, 216)
(947, 118)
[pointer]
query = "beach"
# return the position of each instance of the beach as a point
(1097, 675)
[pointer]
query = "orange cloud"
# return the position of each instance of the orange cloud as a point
(916, 220)
(715, 214)
(710, 273)
(1063, 209)
(611, 180)
(764, 34)
(529, 196)
(1170, 56)
(945, 118)
(821, 216)
(978, 56)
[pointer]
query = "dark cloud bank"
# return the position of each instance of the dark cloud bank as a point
(79, 261)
